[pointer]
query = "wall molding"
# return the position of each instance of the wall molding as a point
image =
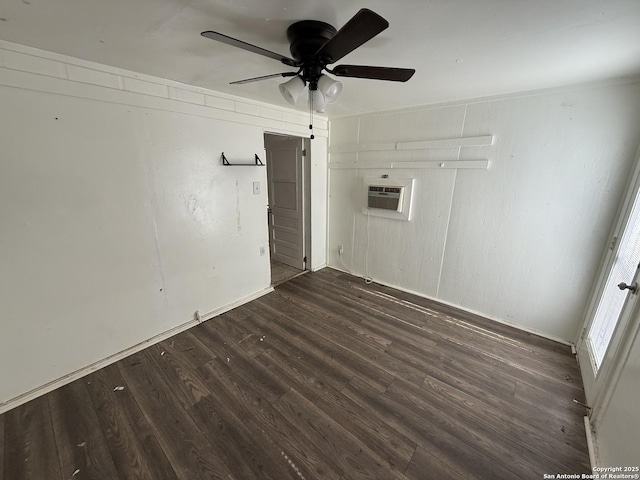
(34, 69)
(479, 141)
(423, 164)
(560, 89)
(66, 379)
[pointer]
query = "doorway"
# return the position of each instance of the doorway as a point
(611, 314)
(288, 211)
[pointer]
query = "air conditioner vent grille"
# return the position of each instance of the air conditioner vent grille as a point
(385, 198)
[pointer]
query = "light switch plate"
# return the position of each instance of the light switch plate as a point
(256, 188)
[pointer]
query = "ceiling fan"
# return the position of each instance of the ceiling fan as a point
(314, 45)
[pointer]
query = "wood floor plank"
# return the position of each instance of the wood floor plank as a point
(81, 444)
(348, 452)
(379, 378)
(228, 326)
(252, 328)
(344, 359)
(508, 376)
(332, 313)
(134, 448)
(523, 372)
(281, 272)
(269, 424)
(357, 337)
(188, 451)
(550, 445)
(382, 438)
(324, 369)
(536, 416)
(244, 366)
(325, 377)
(427, 463)
(428, 431)
(361, 313)
(445, 330)
(469, 334)
(486, 382)
(30, 446)
(242, 450)
(177, 372)
(281, 337)
(510, 443)
(191, 350)
(328, 313)
(341, 335)
(342, 279)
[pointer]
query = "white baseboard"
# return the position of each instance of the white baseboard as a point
(464, 309)
(59, 382)
(591, 445)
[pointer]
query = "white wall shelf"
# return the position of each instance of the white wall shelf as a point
(449, 164)
(481, 141)
(256, 163)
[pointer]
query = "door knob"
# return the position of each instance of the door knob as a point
(632, 288)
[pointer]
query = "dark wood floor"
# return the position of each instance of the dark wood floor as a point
(281, 272)
(325, 378)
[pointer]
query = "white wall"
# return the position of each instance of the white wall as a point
(520, 241)
(117, 219)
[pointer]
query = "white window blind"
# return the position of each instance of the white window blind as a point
(613, 299)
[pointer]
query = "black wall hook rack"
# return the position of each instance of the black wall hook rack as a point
(258, 162)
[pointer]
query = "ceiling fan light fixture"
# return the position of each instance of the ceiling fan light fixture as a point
(330, 88)
(317, 101)
(292, 89)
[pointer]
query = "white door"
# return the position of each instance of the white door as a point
(613, 304)
(286, 212)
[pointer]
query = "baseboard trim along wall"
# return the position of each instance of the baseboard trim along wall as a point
(591, 444)
(59, 382)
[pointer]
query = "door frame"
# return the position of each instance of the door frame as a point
(601, 383)
(306, 193)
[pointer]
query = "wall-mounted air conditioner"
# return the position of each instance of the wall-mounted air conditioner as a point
(388, 197)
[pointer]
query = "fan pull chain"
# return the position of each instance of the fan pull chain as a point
(311, 115)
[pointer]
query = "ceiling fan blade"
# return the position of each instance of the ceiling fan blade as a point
(376, 73)
(362, 27)
(234, 42)
(264, 77)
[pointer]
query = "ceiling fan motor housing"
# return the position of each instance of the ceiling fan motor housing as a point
(305, 39)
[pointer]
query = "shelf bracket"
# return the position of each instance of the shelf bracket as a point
(258, 162)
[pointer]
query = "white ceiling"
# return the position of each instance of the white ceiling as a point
(459, 48)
